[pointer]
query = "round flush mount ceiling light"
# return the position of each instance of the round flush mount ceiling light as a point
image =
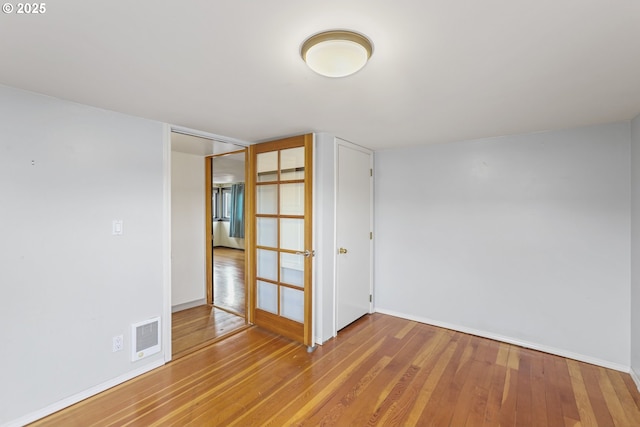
(336, 53)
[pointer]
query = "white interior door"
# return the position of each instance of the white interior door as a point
(354, 226)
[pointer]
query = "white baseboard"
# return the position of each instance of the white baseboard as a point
(187, 305)
(29, 418)
(509, 340)
(636, 378)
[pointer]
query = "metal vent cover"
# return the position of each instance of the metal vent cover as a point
(145, 338)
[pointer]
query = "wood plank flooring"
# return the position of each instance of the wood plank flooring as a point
(200, 326)
(228, 280)
(379, 371)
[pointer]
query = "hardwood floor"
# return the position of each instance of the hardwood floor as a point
(200, 326)
(228, 280)
(381, 370)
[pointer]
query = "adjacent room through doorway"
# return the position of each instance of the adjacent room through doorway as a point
(228, 227)
(208, 289)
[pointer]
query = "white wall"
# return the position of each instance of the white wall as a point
(524, 238)
(635, 249)
(188, 282)
(221, 236)
(67, 284)
(324, 263)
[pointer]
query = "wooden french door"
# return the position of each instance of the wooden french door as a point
(280, 204)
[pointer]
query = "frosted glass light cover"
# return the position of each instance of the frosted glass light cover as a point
(336, 58)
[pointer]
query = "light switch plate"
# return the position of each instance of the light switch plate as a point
(117, 229)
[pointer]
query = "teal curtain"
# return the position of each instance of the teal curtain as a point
(236, 228)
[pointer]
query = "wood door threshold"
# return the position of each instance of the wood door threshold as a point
(207, 343)
(228, 310)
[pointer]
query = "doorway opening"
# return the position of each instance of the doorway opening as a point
(227, 213)
(207, 286)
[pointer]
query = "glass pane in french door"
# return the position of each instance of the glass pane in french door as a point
(292, 234)
(267, 264)
(292, 269)
(267, 232)
(292, 199)
(292, 304)
(267, 166)
(267, 202)
(267, 297)
(292, 164)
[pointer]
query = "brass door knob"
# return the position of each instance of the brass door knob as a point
(342, 251)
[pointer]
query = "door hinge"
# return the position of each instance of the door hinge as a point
(370, 298)
(370, 172)
(371, 235)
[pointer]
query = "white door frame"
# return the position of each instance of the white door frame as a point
(166, 220)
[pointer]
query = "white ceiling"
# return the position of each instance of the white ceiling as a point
(198, 146)
(225, 168)
(441, 70)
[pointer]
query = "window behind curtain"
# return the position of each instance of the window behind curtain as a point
(236, 212)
